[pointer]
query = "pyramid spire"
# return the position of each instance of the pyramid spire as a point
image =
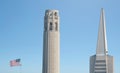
(102, 40)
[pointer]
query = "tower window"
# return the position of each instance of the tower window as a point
(56, 26)
(51, 26)
(55, 13)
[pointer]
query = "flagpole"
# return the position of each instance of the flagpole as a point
(20, 69)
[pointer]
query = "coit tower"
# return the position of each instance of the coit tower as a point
(101, 62)
(51, 42)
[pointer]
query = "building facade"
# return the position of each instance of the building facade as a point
(101, 62)
(51, 42)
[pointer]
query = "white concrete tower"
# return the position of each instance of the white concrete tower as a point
(101, 62)
(51, 45)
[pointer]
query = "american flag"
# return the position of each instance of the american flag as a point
(15, 62)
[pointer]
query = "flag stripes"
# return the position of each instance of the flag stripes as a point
(15, 62)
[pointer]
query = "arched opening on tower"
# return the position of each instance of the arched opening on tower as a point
(55, 13)
(56, 26)
(51, 26)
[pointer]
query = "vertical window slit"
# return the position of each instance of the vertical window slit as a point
(56, 26)
(51, 26)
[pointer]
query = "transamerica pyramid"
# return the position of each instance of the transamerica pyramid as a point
(101, 62)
